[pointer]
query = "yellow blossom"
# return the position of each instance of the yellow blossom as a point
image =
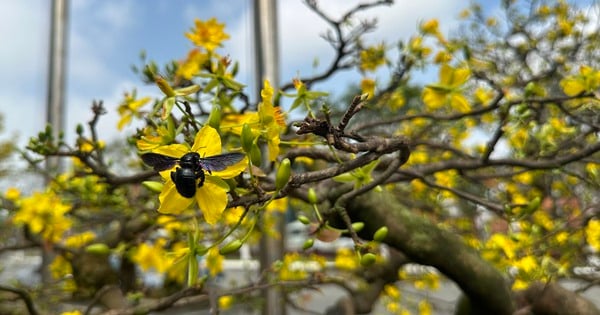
(289, 271)
(192, 65)
(372, 57)
(60, 267)
(367, 85)
(592, 234)
(424, 307)
(519, 284)
(587, 80)
(271, 120)
(79, 240)
(278, 205)
(231, 216)
(149, 256)
(448, 91)
(129, 108)
(45, 214)
(430, 27)
(346, 259)
(207, 34)
(225, 302)
(527, 264)
(214, 262)
(562, 238)
(152, 138)
(392, 291)
(12, 194)
(76, 312)
(416, 47)
(212, 195)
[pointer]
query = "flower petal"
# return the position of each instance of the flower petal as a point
(171, 201)
(207, 142)
(212, 198)
(172, 150)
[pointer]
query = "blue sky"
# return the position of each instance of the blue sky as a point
(106, 37)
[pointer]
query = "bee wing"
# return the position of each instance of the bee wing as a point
(220, 162)
(158, 161)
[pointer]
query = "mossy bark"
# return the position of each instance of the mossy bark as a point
(425, 243)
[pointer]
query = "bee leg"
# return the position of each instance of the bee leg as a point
(201, 176)
(173, 175)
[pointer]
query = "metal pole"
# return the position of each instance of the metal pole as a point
(55, 97)
(267, 67)
(57, 73)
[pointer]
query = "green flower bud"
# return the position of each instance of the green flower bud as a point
(358, 226)
(380, 234)
(153, 186)
(255, 155)
(312, 196)
(303, 219)
(308, 244)
(368, 259)
(79, 129)
(231, 247)
(247, 138)
(283, 174)
(98, 248)
(214, 119)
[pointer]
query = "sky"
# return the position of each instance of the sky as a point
(106, 37)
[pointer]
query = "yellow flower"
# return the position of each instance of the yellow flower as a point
(391, 291)
(424, 308)
(367, 85)
(214, 262)
(231, 216)
(207, 34)
(430, 27)
(151, 256)
(587, 80)
(155, 137)
(60, 267)
(290, 270)
(448, 90)
(80, 239)
(271, 120)
(193, 64)
(44, 213)
(592, 234)
(12, 194)
(129, 108)
(346, 259)
(76, 312)
(372, 57)
(504, 243)
(278, 205)
(527, 264)
(212, 195)
(416, 47)
(225, 302)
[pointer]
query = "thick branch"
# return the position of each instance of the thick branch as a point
(425, 243)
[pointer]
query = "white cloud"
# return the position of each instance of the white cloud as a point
(23, 57)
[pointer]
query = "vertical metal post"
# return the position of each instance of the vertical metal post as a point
(267, 67)
(57, 72)
(55, 96)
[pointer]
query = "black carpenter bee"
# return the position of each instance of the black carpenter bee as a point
(192, 168)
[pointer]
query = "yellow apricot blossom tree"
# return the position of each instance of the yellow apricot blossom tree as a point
(489, 173)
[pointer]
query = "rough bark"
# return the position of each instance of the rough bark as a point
(552, 299)
(425, 243)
